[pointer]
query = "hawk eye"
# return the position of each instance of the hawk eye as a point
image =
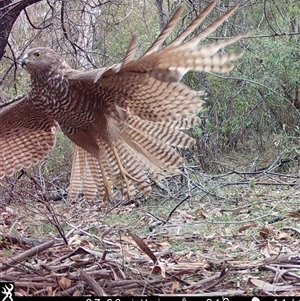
(37, 55)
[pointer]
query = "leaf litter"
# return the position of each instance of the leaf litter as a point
(243, 241)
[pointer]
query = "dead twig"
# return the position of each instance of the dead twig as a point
(99, 291)
(22, 240)
(23, 256)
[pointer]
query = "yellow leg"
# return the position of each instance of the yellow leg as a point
(106, 183)
(123, 172)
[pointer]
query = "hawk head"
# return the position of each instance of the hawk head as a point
(41, 60)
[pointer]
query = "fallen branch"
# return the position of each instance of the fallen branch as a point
(99, 291)
(23, 256)
(22, 240)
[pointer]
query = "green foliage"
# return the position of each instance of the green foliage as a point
(60, 159)
(260, 97)
(120, 25)
(244, 111)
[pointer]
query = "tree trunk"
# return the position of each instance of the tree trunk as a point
(9, 12)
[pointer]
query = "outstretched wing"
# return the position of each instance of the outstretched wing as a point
(141, 106)
(26, 136)
(149, 86)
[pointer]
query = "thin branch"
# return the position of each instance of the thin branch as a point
(255, 83)
(32, 25)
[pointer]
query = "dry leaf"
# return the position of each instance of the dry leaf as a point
(245, 227)
(49, 290)
(163, 271)
(143, 246)
(267, 287)
(76, 255)
(185, 214)
(277, 142)
(156, 269)
(64, 283)
(265, 232)
(282, 235)
(175, 286)
(77, 294)
(201, 214)
(77, 241)
(292, 214)
(22, 292)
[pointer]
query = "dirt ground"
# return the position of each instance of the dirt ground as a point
(230, 234)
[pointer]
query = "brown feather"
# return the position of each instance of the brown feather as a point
(26, 136)
(125, 119)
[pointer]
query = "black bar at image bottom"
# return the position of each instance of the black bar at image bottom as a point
(165, 298)
(7, 293)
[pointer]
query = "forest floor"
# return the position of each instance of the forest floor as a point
(218, 235)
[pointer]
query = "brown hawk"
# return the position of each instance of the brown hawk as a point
(124, 119)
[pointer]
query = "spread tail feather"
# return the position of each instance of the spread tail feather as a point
(149, 107)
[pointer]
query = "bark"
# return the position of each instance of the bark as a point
(9, 12)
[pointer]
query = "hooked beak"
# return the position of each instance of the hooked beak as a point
(24, 60)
